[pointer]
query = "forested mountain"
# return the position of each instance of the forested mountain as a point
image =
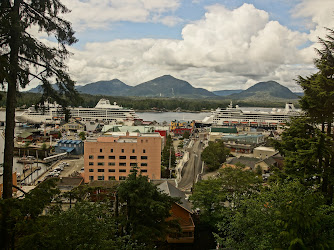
(168, 86)
(114, 87)
(227, 92)
(269, 90)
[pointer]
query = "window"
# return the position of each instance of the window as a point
(143, 164)
(133, 157)
(111, 157)
(122, 150)
(100, 163)
(100, 178)
(122, 170)
(111, 170)
(111, 150)
(112, 178)
(100, 157)
(91, 178)
(91, 163)
(100, 150)
(143, 171)
(133, 164)
(144, 157)
(144, 151)
(123, 157)
(122, 178)
(111, 163)
(91, 157)
(100, 170)
(133, 151)
(91, 170)
(123, 164)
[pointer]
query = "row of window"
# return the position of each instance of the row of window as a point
(100, 170)
(110, 178)
(133, 151)
(122, 157)
(122, 164)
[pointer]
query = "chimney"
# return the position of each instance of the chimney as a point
(127, 133)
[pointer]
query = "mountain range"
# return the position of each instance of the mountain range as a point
(170, 87)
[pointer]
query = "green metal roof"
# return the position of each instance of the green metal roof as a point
(226, 130)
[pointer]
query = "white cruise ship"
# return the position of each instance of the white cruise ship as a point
(234, 115)
(103, 112)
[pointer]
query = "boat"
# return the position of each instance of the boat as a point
(52, 113)
(236, 115)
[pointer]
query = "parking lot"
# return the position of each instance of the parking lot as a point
(64, 168)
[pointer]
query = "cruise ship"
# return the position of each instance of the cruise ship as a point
(103, 112)
(234, 115)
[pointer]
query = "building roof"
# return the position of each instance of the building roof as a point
(70, 181)
(229, 130)
(25, 134)
(70, 141)
(269, 161)
(67, 149)
(174, 192)
(103, 184)
(120, 128)
(265, 149)
(247, 161)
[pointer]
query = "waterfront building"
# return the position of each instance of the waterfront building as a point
(112, 156)
(73, 126)
(74, 147)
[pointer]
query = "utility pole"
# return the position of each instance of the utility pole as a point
(170, 161)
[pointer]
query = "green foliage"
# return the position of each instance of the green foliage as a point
(258, 170)
(168, 154)
(85, 226)
(23, 57)
(44, 146)
(283, 216)
(18, 216)
(145, 210)
(214, 155)
(215, 196)
(82, 135)
(140, 103)
(186, 134)
(303, 146)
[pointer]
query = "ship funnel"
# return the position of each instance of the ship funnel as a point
(289, 107)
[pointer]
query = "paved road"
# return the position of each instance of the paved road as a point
(193, 167)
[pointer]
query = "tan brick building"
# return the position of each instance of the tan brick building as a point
(111, 157)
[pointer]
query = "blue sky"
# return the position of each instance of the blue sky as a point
(188, 11)
(226, 44)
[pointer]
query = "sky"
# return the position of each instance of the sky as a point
(212, 44)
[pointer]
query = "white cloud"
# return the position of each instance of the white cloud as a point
(101, 13)
(226, 49)
(320, 13)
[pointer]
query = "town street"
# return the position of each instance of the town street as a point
(194, 166)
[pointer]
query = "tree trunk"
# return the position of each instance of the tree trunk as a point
(11, 102)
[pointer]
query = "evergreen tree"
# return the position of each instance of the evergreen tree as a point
(318, 102)
(214, 155)
(168, 154)
(145, 210)
(23, 58)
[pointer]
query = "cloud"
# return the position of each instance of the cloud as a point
(226, 49)
(102, 13)
(319, 13)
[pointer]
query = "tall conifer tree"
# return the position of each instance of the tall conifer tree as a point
(23, 58)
